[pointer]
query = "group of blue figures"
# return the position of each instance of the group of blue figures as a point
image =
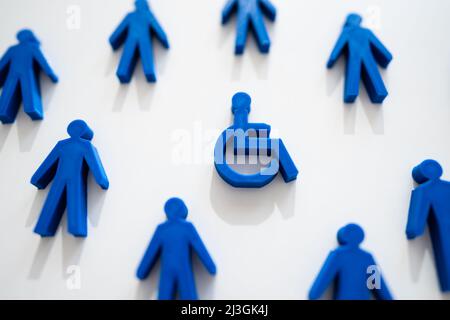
(176, 240)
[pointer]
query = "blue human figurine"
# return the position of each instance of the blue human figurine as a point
(251, 139)
(175, 241)
(363, 51)
(430, 204)
(19, 77)
(250, 16)
(352, 270)
(136, 32)
(68, 165)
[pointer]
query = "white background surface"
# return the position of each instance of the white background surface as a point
(355, 161)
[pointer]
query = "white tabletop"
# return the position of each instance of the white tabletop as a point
(156, 141)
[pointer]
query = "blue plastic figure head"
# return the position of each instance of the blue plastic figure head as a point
(80, 129)
(175, 209)
(240, 107)
(141, 5)
(353, 20)
(426, 171)
(241, 103)
(350, 235)
(27, 35)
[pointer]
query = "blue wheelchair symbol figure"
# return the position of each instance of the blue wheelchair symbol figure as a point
(251, 139)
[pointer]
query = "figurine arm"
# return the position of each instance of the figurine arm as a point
(338, 48)
(325, 277)
(150, 256)
(381, 293)
(47, 170)
(4, 66)
(120, 34)
(228, 10)
(5, 60)
(42, 62)
(260, 128)
(159, 32)
(419, 209)
(95, 165)
(268, 9)
(381, 53)
(201, 251)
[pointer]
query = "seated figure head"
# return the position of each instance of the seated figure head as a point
(175, 209)
(350, 235)
(80, 129)
(241, 103)
(27, 35)
(426, 171)
(353, 20)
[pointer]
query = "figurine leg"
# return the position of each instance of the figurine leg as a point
(241, 34)
(146, 50)
(187, 288)
(439, 236)
(128, 61)
(3, 76)
(32, 104)
(259, 29)
(52, 211)
(167, 285)
(77, 209)
(373, 81)
(10, 100)
(352, 79)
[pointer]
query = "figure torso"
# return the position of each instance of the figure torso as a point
(139, 25)
(22, 60)
(358, 42)
(246, 7)
(353, 274)
(71, 164)
(176, 248)
(438, 193)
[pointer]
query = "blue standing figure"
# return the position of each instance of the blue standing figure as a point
(136, 31)
(19, 77)
(430, 204)
(363, 51)
(352, 270)
(250, 17)
(68, 165)
(175, 241)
